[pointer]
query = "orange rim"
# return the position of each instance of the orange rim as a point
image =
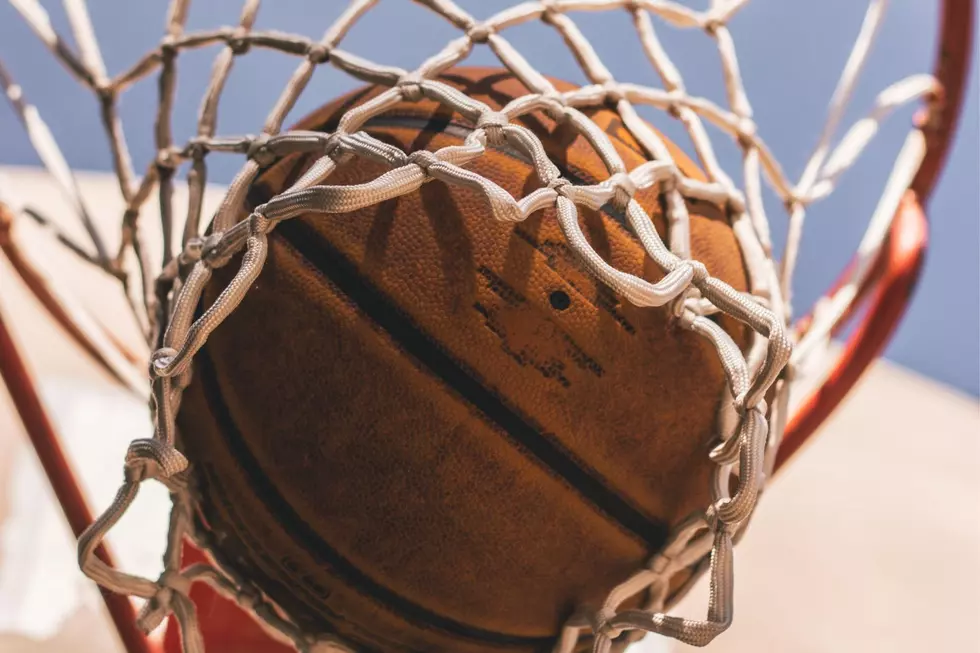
(886, 292)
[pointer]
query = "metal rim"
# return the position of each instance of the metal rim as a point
(887, 292)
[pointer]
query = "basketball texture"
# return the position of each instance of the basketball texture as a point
(424, 430)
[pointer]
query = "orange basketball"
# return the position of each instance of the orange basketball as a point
(426, 430)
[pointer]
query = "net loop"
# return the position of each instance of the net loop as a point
(691, 631)
(354, 119)
(552, 104)
(752, 437)
(727, 451)
(226, 302)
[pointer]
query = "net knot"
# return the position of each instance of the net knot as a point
(712, 24)
(683, 307)
(155, 610)
(105, 91)
(711, 514)
(660, 563)
(738, 404)
(318, 53)
(560, 185)
(248, 597)
(211, 252)
(423, 159)
(172, 587)
(151, 458)
(238, 41)
(746, 131)
(493, 123)
(716, 523)
(259, 151)
(160, 360)
(195, 148)
(168, 46)
(555, 98)
(675, 100)
(700, 271)
(549, 9)
(259, 224)
(173, 580)
(624, 188)
(736, 203)
(480, 32)
(410, 86)
(166, 159)
(614, 93)
(601, 625)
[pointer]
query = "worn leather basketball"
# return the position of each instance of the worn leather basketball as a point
(425, 430)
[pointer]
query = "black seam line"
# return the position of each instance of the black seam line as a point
(215, 487)
(466, 383)
(298, 528)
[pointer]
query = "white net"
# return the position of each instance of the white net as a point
(165, 299)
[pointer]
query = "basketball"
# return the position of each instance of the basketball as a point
(476, 360)
(426, 430)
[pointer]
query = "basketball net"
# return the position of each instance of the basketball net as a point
(164, 295)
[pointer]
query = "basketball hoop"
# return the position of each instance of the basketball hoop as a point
(758, 432)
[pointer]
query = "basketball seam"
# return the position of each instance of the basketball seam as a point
(316, 546)
(628, 517)
(232, 521)
(468, 385)
(421, 617)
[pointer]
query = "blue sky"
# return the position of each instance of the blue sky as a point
(791, 53)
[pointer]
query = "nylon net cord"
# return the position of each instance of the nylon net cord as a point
(164, 300)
